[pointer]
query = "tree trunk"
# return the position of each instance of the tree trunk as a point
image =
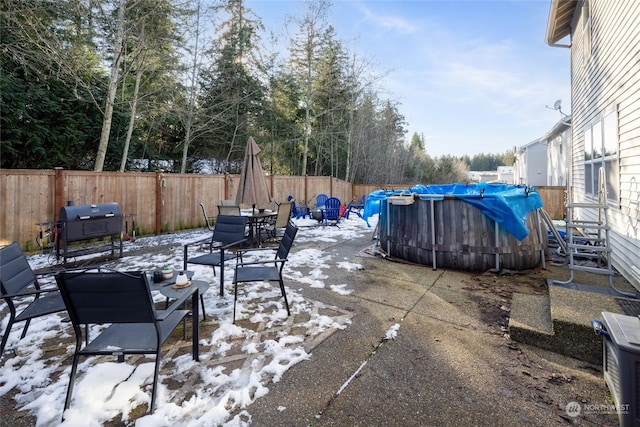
(307, 114)
(111, 92)
(132, 119)
(191, 111)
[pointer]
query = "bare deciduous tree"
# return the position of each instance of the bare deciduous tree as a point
(112, 87)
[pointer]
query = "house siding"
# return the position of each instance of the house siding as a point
(609, 78)
(558, 144)
(531, 164)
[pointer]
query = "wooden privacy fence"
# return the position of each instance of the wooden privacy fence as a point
(158, 202)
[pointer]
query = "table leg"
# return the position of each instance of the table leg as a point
(195, 318)
(221, 272)
(251, 233)
(259, 225)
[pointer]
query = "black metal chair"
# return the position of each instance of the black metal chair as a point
(228, 232)
(123, 300)
(268, 270)
(18, 281)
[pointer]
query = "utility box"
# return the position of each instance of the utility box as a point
(621, 364)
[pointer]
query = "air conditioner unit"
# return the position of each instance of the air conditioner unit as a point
(621, 363)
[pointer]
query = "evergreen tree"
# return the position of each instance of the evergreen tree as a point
(232, 91)
(50, 85)
(331, 103)
(417, 142)
(304, 56)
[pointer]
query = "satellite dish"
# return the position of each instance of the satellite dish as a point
(557, 105)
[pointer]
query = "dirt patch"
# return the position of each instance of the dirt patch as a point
(541, 378)
(492, 293)
(12, 417)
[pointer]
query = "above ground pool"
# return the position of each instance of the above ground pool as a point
(472, 227)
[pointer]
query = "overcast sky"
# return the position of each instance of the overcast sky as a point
(471, 76)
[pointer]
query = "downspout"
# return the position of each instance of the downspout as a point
(568, 46)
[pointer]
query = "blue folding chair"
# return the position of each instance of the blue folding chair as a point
(298, 212)
(356, 208)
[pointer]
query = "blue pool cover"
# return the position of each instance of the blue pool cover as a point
(508, 205)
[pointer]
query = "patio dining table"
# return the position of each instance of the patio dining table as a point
(257, 220)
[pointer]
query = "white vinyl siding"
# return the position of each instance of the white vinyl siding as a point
(557, 147)
(605, 112)
(586, 31)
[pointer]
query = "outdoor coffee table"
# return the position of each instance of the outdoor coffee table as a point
(172, 293)
(166, 288)
(192, 290)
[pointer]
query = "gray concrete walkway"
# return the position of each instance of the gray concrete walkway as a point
(451, 363)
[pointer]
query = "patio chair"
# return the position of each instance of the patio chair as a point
(123, 300)
(331, 211)
(228, 232)
(354, 207)
(208, 220)
(228, 202)
(281, 221)
(19, 284)
(267, 270)
(321, 200)
(298, 212)
(229, 210)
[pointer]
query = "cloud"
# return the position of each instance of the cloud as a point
(387, 22)
(462, 65)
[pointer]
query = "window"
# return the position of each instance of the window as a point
(601, 151)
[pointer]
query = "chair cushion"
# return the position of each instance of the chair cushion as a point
(48, 304)
(134, 337)
(254, 274)
(210, 259)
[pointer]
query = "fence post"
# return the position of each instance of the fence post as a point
(227, 177)
(272, 190)
(160, 186)
(58, 192)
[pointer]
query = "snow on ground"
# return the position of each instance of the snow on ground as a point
(237, 361)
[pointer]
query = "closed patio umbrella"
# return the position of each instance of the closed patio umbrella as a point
(253, 188)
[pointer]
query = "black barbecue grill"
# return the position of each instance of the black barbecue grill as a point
(89, 222)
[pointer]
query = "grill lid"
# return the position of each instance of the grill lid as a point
(86, 212)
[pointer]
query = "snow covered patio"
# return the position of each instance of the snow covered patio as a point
(237, 362)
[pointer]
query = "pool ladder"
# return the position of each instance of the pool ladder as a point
(590, 238)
